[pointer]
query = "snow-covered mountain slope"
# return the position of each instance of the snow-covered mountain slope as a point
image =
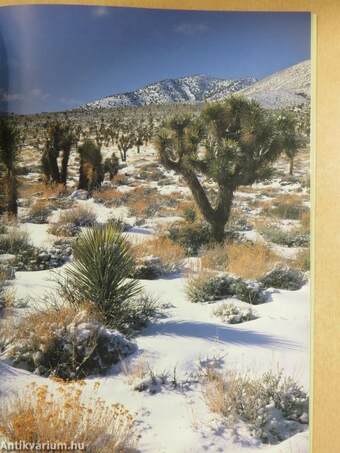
(192, 89)
(285, 88)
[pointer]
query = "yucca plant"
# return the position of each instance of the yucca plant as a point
(98, 273)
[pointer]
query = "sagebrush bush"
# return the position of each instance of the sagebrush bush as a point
(79, 216)
(98, 274)
(284, 277)
(209, 287)
(70, 221)
(191, 236)
(273, 406)
(62, 341)
(232, 314)
(65, 416)
(291, 238)
(39, 212)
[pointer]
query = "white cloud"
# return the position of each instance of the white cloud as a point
(186, 28)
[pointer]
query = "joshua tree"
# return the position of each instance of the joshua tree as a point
(231, 144)
(60, 138)
(8, 159)
(125, 142)
(291, 140)
(91, 171)
(111, 166)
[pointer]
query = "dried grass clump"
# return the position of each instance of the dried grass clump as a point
(258, 401)
(14, 241)
(71, 220)
(110, 197)
(27, 190)
(78, 216)
(289, 206)
(144, 202)
(249, 261)
(170, 254)
(302, 260)
(66, 417)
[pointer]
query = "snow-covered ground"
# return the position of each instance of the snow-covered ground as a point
(177, 420)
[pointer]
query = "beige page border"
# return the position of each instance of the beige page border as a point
(325, 335)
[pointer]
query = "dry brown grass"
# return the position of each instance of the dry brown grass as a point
(70, 221)
(302, 260)
(287, 206)
(171, 255)
(110, 196)
(248, 261)
(66, 416)
(27, 190)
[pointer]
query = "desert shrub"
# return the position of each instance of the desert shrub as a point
(191, 236)
(66, 417)
(14, 241)
(291, 238)
(305, 221)
(98, 274)
(110, 197)
(302, 260)
(245, 259)
(39, 212)
(250, 260)
(215, 257)
(64, 342)
(170, 255)
(29, 190)
(284, 277)
(287, 207)
(209, 287)
(232, 314)
(70, 221)
(80, 216)
(274, 407)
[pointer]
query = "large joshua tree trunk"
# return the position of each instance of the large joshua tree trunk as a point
(64, 165)
(291, 165)
(216, 217)
(11, 193)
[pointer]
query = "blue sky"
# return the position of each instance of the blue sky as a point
(58, 57)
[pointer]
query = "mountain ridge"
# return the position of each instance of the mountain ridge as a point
(287, 87)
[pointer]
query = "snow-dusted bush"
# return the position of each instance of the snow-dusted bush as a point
(147, 268)
(208, 287)
(65, 343)
(67, 416)
(284, 277)
(39, 212)
(232, 314)
(70, 221)
(274, 407)
(292, 238)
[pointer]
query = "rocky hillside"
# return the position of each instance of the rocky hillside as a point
(192, 89)
(285, 88)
